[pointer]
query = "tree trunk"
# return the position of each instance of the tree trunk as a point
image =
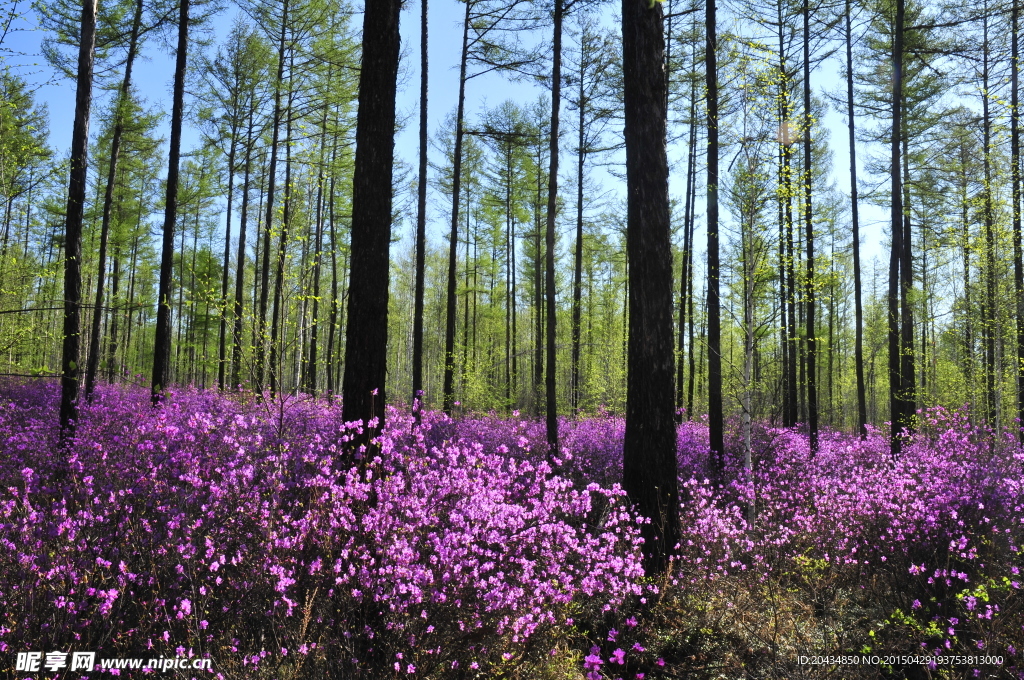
(857, 300)
(367, 328)
(897, 412)
(448, 390)
(108, 201)
(236, 351)
(812, 342)
(162, 343)
(577, 271)
(991, 322)
(333, 316)
(278, 311)
(685, 299)
(261, 322)
(73, 226)
(714, 324)
(115, 280)
(1018, 259)
(310, 381)
(550, 377)
(421, 228)
(222, 352)
(649, 453)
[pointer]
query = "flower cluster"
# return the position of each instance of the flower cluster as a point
(250, 530)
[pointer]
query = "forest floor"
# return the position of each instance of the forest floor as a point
(247, 533)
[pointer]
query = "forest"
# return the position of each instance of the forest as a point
(683, 338)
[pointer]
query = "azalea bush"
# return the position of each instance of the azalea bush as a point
(249, 532)
(245, 532)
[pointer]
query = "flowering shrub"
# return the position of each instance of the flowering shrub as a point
(220, 529)
(245, 531)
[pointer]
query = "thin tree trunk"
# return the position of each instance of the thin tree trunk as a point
(897, 411)
(333, 317)
(714, 323)
(862, 412)
(310, 381)
(577, 278)
(812, 341)
(236, 352)
(990, 245)
(108, 201)
(550, 377)
(1018, 259)
(685, 299)
(261, 325)
(448, 390)
(421, 227)
(222, 352)
(279, 312)
(115, 280)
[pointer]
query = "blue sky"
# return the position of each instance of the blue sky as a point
(155, 72)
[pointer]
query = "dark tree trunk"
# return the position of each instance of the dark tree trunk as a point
(73, 226)
(116, 311)
(991, 322)
(649, 453)
(538, 290)
(310, 382)
(858, 351)
(812, 342)
(715, 417)
(1018, 259)
(896, 227)
(448, 389)
(278, 311)
(421, 227)
(551, 394)
(108, 202)
(366, 337)
(261, 321)
(222, 351)
(685, 284)
(332, 318)
(162, 343)
(236, 352)
(577, 271)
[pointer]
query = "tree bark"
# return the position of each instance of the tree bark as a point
(108, 201)
(858, 351)
(1018, 258)
(367, 328)
(812, 342)
(73, 225)
(649, 453)
(714, 323)
(448, 389)
(551, 394)
(261, 321)
(421, 227)
(162, 343)
(896, 227)
(236, 351)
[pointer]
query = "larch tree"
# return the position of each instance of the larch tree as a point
(421, 224)
(70, 355)
(716, 423)
(162, 341)
(108, 199)
(649, 453)
(363, 389)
